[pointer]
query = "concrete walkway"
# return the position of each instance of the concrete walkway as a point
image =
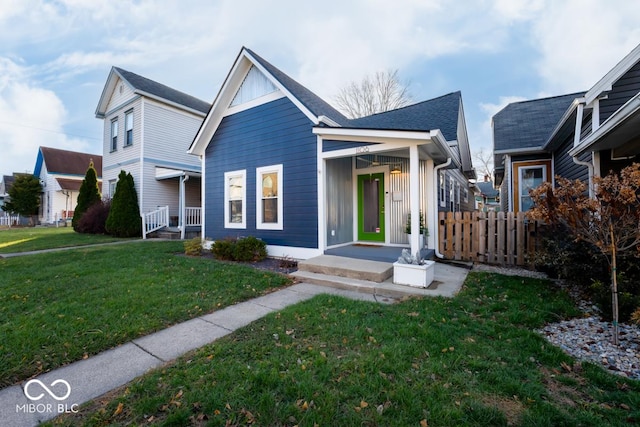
(65, 389)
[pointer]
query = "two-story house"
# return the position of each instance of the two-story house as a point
(147, 130)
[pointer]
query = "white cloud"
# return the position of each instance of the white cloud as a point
(29, 117)
(581, 40)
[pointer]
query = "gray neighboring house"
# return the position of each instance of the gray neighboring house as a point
(576, 136)
(487, 199)
(148, 127)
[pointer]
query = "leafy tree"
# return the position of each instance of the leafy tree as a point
(24, 196)
(124, 216)
(89, 195)
(610, 221)
(382, 92)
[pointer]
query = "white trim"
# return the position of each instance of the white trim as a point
(293, 252)
(203, 203)
(320, 185)
(371, 135)
(278, 225)
(264, 99)
(227, 220)
(521, 170)
(606, 82)
(632, 106)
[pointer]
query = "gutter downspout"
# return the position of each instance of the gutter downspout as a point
(436, 169)
(590, 167)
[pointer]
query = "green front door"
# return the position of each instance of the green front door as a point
(371, 207)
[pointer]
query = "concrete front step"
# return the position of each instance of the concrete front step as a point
(386, 289)
(359, 269)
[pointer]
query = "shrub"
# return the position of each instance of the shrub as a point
(94, 219)
(124, 217)
(250, 249)
(244, 249)
(88, 196)
(193, 247)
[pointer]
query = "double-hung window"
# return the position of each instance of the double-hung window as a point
(269, 197)
(452, 201)
(235, 199)
(114, 134)
(529, 178)
(128, 128)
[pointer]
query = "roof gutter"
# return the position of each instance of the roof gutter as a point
(436, 169)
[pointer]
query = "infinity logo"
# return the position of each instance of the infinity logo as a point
(52, 394)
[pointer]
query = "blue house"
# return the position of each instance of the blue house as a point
(281, 164)
(576, 136)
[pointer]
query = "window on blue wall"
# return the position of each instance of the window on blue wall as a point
(128, 128)
(269, 197)
(235, 199)
(114, 134)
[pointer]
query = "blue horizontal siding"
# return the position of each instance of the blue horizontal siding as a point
(269, 134)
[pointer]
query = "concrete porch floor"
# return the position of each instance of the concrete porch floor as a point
(375, 277)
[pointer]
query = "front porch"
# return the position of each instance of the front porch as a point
(371, 252)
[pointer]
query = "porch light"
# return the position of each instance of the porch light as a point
(396, 170)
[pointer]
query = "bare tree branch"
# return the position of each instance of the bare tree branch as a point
(382, 92)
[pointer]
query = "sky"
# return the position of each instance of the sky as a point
(55, 55)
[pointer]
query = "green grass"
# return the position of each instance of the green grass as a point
(469, 361)
(59, 307)
(33, 239)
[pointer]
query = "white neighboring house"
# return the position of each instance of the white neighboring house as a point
(147, 130)
(61, 173)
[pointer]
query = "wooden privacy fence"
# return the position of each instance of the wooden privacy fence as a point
(488, 237)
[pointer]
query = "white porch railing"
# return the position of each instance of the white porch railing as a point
(9, 220)
(155, 220)
(192, 216)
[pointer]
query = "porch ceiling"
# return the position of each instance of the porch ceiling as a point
(170, 173)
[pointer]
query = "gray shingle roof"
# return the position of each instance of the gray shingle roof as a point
(486, 188)
(529, 124)
(154, 88)
(310, 100)
(438, 113)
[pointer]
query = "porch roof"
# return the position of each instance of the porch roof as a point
(170, 173)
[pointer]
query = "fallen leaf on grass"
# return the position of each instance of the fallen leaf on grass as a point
(119, 409)
(423, 423)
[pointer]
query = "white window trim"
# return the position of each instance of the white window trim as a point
(227, 220)
(521, 171)
(113, 135)
(260, 225)
(442, 191)
(452, 201)
(126, 130)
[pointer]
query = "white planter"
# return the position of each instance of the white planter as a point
(419, 276)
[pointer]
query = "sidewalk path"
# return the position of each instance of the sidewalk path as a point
(66, 248)
(92, 377)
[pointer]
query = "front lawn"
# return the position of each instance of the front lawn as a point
(56, 308)
(473, 360)
(38, 238)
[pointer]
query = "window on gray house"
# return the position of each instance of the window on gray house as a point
(114, 134)
(128, 128)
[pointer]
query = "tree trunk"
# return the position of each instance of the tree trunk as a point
(614, 286)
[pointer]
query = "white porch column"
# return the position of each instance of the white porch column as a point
(181, 205)
(430, 194)
(414, 197)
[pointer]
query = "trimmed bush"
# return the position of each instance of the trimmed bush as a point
(94, 219)
(193, 247)
(88, 196)
(124, 217)
(245, 249)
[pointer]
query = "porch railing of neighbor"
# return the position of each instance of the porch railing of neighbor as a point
(7, 220)
(501, 238)
(192, 216)
(155, 220)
